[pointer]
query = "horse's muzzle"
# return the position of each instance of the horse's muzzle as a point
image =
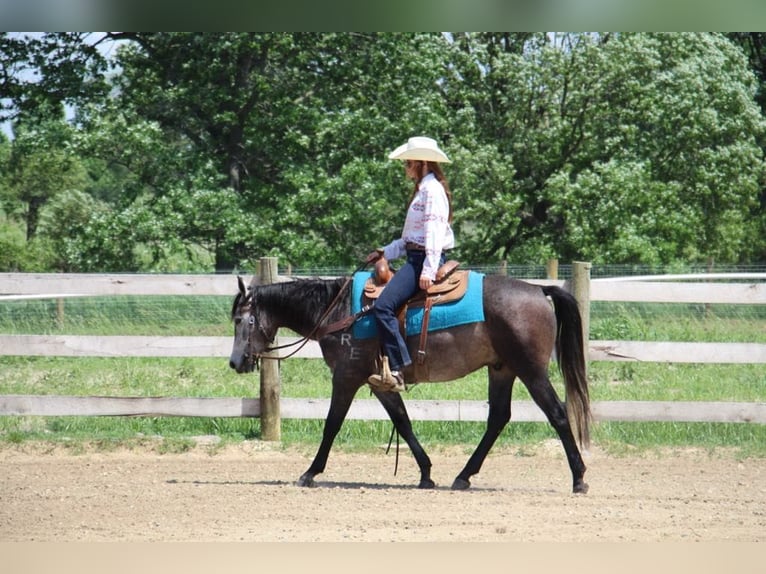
(247, 364)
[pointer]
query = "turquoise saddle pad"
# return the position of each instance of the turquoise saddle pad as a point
(469, 309)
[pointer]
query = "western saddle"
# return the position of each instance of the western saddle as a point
(449, 285)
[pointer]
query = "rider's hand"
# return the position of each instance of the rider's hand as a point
(425, 282)
(374, 256)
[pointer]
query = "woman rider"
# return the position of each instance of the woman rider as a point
(426, 235)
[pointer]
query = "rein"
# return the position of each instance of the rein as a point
(303, 340)
(338, 325)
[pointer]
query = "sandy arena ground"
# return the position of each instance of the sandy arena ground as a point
(247, 492)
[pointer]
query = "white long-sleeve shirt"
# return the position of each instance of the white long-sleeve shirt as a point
(427, 224)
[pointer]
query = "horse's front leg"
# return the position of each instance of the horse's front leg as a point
(396, 410)
(340, 402)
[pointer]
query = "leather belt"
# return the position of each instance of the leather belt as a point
(414, 247)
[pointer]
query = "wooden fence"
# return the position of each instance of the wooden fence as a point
(271, 408)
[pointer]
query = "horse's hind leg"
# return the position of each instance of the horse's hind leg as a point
(500, 388)
(395, 408)
(545, 397)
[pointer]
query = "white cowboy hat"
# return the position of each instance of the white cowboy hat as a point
(420, 148)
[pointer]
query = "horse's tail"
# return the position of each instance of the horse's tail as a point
(571, 359)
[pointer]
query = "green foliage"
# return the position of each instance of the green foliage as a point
(617, 212)
(62, 222)
(41, 165)
(42, 72)
(630, 148)
(12, 245)
(211, 150)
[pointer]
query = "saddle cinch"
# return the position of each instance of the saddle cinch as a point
(449, 285)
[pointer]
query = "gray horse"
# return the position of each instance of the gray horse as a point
(523, 325)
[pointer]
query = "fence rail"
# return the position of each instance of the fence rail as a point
(368, 409)
(658, 290)
(163, 346)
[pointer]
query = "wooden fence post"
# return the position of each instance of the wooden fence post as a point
(552, 269)
(270, 385)
(60, 312)
(581, 292)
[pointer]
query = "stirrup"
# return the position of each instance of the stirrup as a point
(387, 380)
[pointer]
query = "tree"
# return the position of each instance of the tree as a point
(41, 165)
(297, 124)
(40, 73)
(627, 148)
(754, 46)
(228, 146)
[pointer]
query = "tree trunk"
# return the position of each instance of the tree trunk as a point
(225, 259)
(33, 214)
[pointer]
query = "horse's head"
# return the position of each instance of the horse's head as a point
(253, 332)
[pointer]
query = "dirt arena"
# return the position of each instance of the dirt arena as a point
(247, 492)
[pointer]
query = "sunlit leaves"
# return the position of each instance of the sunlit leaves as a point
(218, 148)
(629, 148)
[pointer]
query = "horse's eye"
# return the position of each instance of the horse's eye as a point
(237, 320)
(251, 320)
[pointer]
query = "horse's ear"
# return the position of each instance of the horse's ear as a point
(254, 282)
(241, 284)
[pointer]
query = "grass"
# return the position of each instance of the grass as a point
(311, 379)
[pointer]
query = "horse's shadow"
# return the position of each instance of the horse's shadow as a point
(325, 485)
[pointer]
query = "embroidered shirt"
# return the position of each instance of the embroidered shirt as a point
(427, 224)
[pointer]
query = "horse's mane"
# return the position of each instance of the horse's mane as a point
(299, 303)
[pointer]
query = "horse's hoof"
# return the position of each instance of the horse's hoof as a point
(580, 488)
(427, 484)
(461, 484)
(307, 481)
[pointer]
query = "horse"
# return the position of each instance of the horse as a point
(524, 324)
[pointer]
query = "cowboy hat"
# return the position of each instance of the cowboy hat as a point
(420, 148)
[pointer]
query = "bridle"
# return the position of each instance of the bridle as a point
(246, 306)
(254, 321)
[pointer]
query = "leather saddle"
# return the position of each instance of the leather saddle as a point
(450, 285)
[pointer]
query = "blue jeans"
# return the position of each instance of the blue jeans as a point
(402, 286)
